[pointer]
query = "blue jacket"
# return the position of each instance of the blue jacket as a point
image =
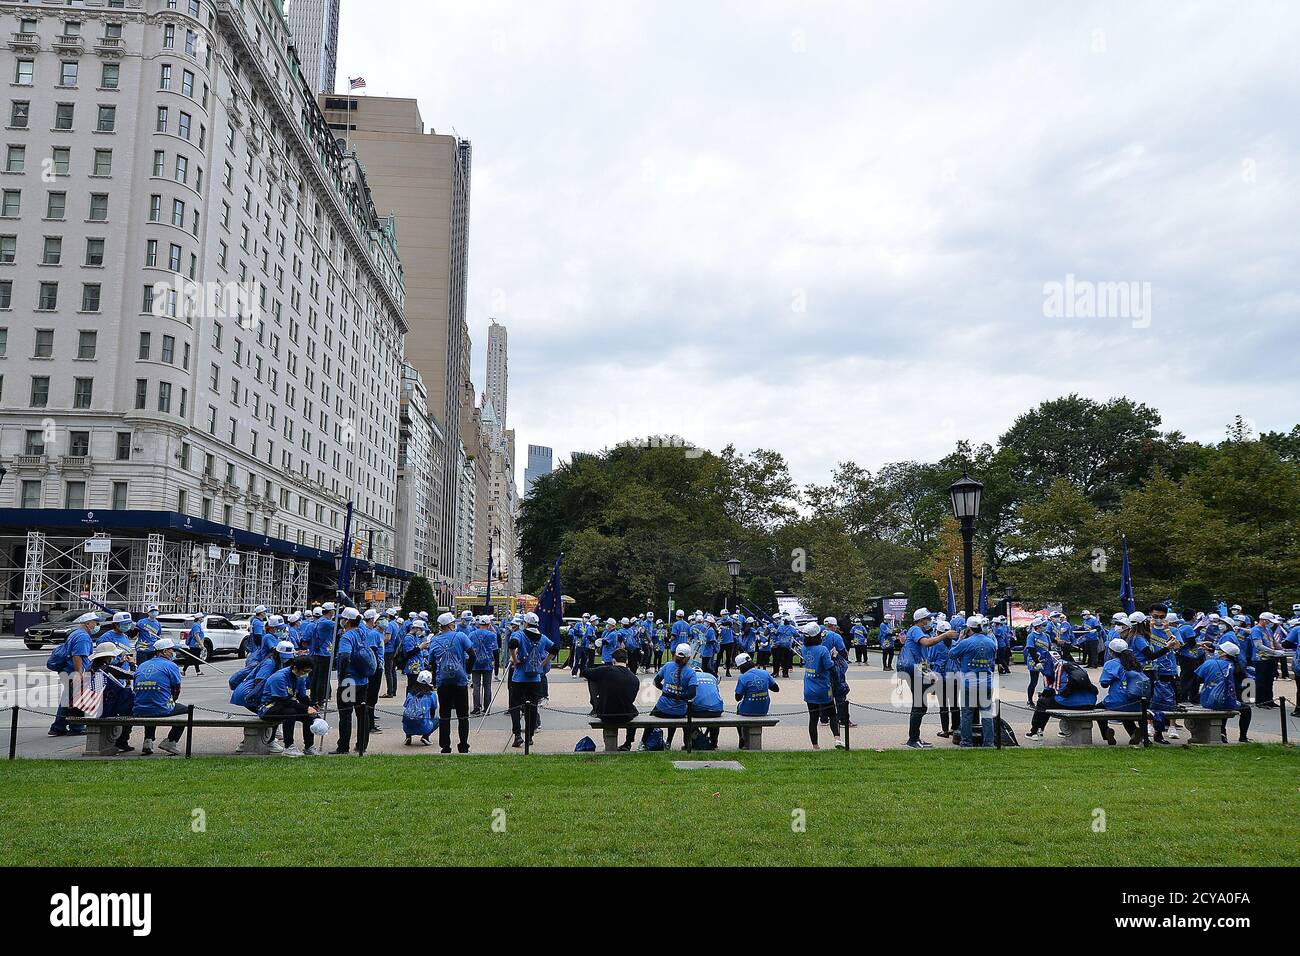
(676, 683)
(282, 686)
(753, 692)
(157, 687)
(708, 698)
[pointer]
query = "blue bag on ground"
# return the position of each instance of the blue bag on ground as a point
(655, 739)
(585, 746)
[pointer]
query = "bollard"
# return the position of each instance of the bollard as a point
(189, 730)
(688, 728)
(997, 722)
(13, 733)
(847, 721)
(1146, 736)
(1281, 715)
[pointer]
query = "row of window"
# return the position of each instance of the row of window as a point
(47, 296)
(56, 209)
(59, 162)
(31, 494)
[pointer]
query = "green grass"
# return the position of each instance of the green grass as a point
(862, 808)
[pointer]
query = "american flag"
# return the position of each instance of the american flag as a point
(358, 84)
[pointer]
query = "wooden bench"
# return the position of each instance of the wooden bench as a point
(102, 731)
(1204, 726)
(751, 727)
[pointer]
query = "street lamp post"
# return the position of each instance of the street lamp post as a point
(671, 588)
(966, 493)
(733, 569)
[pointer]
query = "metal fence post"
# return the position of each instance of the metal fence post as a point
(13, 732)
(189, 730)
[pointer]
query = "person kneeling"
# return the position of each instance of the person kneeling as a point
(286, 696)
(420, 712)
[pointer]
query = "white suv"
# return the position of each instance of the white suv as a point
(220, 634)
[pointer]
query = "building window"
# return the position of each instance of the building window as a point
(20, 112)
(8, 249)
(87, 343)
(24, 70)
(108, 77)
(141, 393)
(78, 444)
(56, 205)
(169, 349)
(119, 496)
(83, 391)
(99, 207)
(6, 295)
(165, 397)
(16, 159)
(62, 156)
(122, 451)
(31, 494)
(68, 73)
(40, 391)
(74, 495)
(47, 299)
(94, 252)
(103, 162)
(52, 251)
(43, 343)
(90, 297)
(12, 203)
(145, 345)
(34, 442)
(107, 120)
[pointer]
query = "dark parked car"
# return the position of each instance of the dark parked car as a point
(57, 628)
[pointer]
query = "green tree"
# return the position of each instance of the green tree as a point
(418, 596)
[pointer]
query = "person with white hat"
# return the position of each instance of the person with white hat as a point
(578, 643)
(420, 712)
(819, 681)
(450, 656)
(681, 629)
(656, 660)
(357, 666)
(195, 646)
(530, 655)
(71, 658)
(1223, 680)
(157, 688)
(858, 638)
(285, 695)
(372, 628)
(323, 643)
(306, 630)
(111, 674)
(677, 682)
(1126, 686)
(783, 639)
(913, 663)
(484, 640)
(754, 688)
(1265, 649)
(148, 631)
(257, 631)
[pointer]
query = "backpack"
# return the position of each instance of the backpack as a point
(361, 659)
(702, 741)
(655, 739)
(450, 663)
(1077, 680)
(1138, 686)
(585, 746)
(60, 656)
(1005, 733)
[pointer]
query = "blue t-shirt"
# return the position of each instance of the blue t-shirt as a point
(532, 658)
(912, 653)
(485, 648)
(80, 645)
(708, 698)
(450, 651)
(347, 640)
(817, 668)
(322, 637)
(157, 685)
(149, 632)
(283, 686)
(754, 687)
(676, 680)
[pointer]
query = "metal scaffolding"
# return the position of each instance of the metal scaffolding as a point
(41, 572)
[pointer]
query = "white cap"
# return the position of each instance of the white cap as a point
(151, 607)
(531, 618)
(1118, 645)
(1229, 648)
(446, 618)
(90, 617)
(749, 620)
(166, 644)
(623, 621)
(742, 659)
(1037, 622)
(412, 616)
(327, 606)
(105, 649)
(831, 622)
(681, 613)
(976, 620)
(682, 650)
(610, 621)
(921, 613)
(424, 614)
(1137, 617)
(371, 614)
(275, 621)
(811, 628)
(466, 615)
(260, 609)
(394, 612)
(319, 727)
(295, 617)
(1268, 616)
(1235, 607)
(1119, 618)
(424, 677)
(350, 614)
(122, 617)
(285, 647)
(419, 624)
(317, 612)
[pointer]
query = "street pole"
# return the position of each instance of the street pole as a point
(968, 548)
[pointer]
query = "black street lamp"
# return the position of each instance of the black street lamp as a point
(965, 493)
(671, 588)
(733, 569)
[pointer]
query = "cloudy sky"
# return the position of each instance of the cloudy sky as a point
(828, 228)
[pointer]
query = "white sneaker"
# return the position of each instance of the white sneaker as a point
(1034, 736)
(311, 752)
(240, 748)
(170, 747)
(146, 748)
(839, 744)
(275, 747)
(1173, 732)
(292, 752)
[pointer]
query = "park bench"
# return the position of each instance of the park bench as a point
(102, 731)
(752, 727)
(1204, 726)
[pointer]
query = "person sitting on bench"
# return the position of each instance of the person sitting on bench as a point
(753, 692)
(677, 682)
(1068, 687)
(707, 701)
(613, 693)
(1126, 687)
(157, 688)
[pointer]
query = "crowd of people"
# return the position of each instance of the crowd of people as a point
(299, 664)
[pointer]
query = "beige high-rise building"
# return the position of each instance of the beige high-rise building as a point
(426, 176)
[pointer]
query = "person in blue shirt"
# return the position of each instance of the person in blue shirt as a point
(322, 654)
(1002, 637)
(73, 659)
(484, 642)
(353, 684)
(157, 689)
(707, 701)
(530, 655)
(1126, 687)
(194, 646)
(1036, 641)
(420, 712)
(1066, 686)
(1223, 684)
(285, 695)
(111, 672)
(1292, 640)
(149, 629)
(763, 647)
(681, 630)
(858, 636)
(372, 627)
(726, 644)
(819, 681)
(306, 626)
(451, 655)
(971, 660)
(257, 629)
(913, 667)
(754, 688)
(783, 648)
(632, 642)
(887, 644)
(947, 684)
(392, 631)
(677, 682)
(660, 646)
(610, 641)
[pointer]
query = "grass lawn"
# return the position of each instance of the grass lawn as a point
(862, 808)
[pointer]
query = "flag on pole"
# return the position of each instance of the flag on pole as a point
(1126, 583)
(952, 597)
(984, 595)
(550, 605)
(357, 84)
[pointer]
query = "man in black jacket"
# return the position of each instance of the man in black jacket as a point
(613, 693)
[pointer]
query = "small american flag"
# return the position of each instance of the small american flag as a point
(358, 84)
(89, 699)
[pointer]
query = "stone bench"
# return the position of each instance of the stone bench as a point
(752, 727)
(1204, 726)
(102, 731)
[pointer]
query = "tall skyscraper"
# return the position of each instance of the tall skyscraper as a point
(427, 177)
(498, 370)
(142, 398)
(315, 28)
(539, 464)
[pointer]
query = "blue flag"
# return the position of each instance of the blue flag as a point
(1126, 583)
(984, 594)
(758, 614)
(952, 598)
(550, 606)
